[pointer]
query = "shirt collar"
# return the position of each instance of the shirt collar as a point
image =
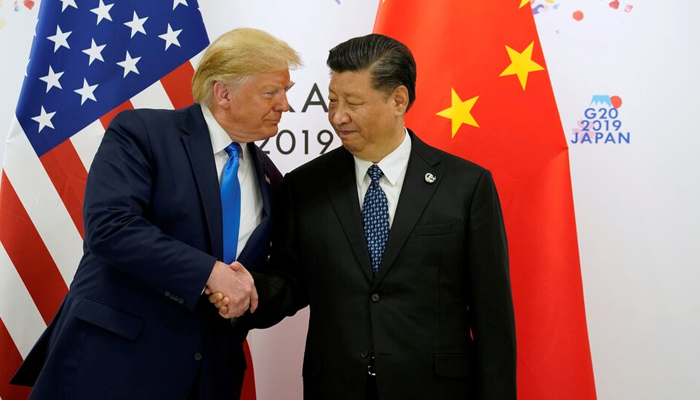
(219, 138)
(392, 165)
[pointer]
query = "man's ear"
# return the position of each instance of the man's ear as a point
(399, 99)
(221, 94)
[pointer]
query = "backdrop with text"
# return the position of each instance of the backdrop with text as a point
(623, 74)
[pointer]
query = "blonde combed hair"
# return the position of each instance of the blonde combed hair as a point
(237, 54)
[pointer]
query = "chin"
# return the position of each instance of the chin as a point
(349, 146)
(270, 132)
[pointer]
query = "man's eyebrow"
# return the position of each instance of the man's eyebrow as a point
(350, 94)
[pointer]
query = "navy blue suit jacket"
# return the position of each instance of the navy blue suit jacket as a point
(134, 324)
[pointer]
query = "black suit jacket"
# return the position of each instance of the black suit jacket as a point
(438, 316)
(134, 324)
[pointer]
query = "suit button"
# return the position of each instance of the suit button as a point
(364, 354)
(176, 298)
(167, 294)
(181, 301)
(198, 356)
(374, 297)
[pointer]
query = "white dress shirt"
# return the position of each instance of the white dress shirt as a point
(251, 199)
(394, 168)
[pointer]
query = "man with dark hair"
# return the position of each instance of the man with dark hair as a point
(398, 248)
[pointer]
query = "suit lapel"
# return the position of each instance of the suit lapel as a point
(260, 234)
(339, 179)
(199, 150)
(415, 196)
(263, 178)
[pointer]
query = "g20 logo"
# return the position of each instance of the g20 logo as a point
(601, 123)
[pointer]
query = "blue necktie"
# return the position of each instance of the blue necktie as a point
(375, 216)
(231, 202)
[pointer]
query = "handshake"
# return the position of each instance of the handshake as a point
(231, 289)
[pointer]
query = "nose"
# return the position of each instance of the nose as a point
(283, 104)
(338, 117)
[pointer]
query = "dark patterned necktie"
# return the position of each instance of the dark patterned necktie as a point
(375, 216)
(231, 202)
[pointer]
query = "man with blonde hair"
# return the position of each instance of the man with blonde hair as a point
(173, 198)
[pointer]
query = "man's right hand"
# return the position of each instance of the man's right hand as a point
(220, 302)
(235, 283)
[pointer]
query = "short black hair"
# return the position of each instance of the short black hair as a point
(390, 62)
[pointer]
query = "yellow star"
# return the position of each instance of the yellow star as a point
(460, 112)
(523, 2)
(521, 64)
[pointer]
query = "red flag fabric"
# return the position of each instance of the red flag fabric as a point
(483, 93)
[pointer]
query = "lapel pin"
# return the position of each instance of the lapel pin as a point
(430, 178)
(267, 179)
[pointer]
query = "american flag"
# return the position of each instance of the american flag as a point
(89, 60)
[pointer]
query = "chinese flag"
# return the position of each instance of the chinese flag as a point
(483, 93)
